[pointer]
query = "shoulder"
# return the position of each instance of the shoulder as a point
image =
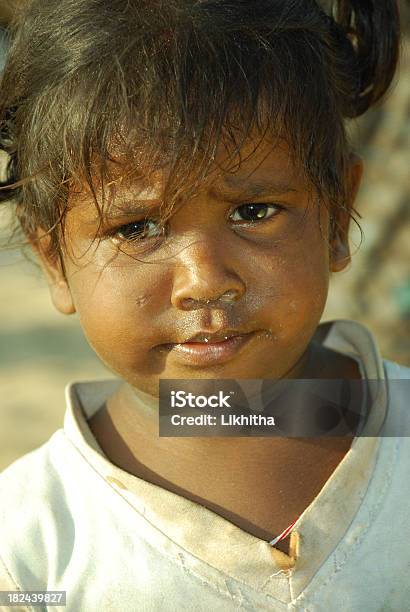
(397, 378)
(396, 371)
(396, 428)
(32, 502)
(398, 387)
(29, 478)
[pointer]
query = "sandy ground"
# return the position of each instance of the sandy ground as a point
(40, 352)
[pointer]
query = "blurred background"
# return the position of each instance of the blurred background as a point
(42, 350)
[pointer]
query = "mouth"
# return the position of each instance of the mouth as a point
(213, 338)
(206, 349)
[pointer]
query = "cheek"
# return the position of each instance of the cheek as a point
(310, 280)
(296, 286)
(120, 311)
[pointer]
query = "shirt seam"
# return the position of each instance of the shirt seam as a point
(373, 510)
(378, 504)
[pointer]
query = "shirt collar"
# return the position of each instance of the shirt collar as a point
(215, 541)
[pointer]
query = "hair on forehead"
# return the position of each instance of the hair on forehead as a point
(140, 85)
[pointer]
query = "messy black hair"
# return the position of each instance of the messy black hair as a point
(161, 82)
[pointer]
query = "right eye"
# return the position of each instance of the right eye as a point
(137, 231)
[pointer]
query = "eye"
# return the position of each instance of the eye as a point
(138, 231)
(258, 212)
(145, 229)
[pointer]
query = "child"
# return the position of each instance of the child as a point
(181, 169)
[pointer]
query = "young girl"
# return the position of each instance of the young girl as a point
(182, 170)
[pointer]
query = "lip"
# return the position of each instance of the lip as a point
(219, 336)
(206, 353)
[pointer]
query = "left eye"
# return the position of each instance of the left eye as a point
(258, 212)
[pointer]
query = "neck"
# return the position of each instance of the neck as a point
(260, 484)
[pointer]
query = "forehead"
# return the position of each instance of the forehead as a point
(259, 164)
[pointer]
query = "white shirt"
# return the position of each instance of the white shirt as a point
(71, 520)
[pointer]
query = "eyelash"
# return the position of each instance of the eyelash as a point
(116, 233)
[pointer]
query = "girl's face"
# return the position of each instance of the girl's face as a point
(250, 252)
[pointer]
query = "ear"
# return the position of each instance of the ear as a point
(53, 268)
(339, 240)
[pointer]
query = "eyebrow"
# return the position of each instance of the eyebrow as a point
(129, 208)
(245, 188)
(232, 189)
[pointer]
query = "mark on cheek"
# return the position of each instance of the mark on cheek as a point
(142, 300)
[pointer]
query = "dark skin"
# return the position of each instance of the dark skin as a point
(279, 268)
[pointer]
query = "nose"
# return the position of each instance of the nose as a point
(205, 275)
